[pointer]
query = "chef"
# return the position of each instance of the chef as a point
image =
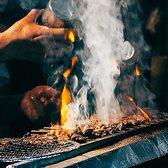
(36, 105)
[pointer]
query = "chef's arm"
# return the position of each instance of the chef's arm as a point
(19, 41)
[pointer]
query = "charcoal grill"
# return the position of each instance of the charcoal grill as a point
(93, 144)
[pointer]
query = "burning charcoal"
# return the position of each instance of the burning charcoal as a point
(78, 138)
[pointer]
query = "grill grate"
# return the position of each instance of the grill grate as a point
(19, 149)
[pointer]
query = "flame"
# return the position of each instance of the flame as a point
(132, 100)
(137, 71)
(68, 71)
(74, 61)
(142, 111)
(55, 129)
(71, 36)
(52, 130)
(66, 95)
(66, 99)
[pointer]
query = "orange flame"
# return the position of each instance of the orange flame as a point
(132, 100)
(71, 36)
(142, 111)
(55, 129)
(66, 99)
(66, 95)
(68, 71)
(137, 71)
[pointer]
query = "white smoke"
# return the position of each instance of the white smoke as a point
(104, 51)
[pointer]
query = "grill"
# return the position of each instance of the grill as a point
(69, 149)
(20, 149)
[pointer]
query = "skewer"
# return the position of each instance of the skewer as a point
(47, 129)
(53, 127)
(56, 127)
(40, 131)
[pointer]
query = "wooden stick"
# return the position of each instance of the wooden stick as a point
(39, 131)
(54, 127)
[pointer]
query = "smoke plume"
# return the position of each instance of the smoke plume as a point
(105, 48)
(113, 44)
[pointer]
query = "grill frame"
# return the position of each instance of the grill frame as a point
(92, 145)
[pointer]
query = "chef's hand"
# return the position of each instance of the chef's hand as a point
(25, 37)
(40, 103)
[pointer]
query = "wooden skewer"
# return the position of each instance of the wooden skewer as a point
(39, 131)
(54, 127)
(45, 130)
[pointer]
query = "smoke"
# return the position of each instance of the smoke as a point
(130, 84)
(112, 44)
(104, 51)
